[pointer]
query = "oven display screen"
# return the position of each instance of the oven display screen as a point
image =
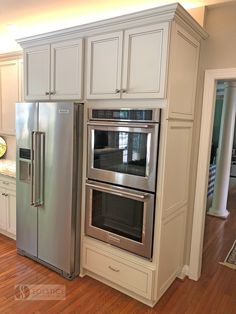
(123, 114)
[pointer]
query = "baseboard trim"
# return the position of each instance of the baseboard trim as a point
(184, 272)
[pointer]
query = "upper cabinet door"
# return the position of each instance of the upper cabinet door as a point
(66, 70)
(9, 95)
(36, 72)
(144, 64)
(104, 66)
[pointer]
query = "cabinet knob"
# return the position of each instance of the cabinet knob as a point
(47, 93)
(117, 91)
(123, 90)
(53, 93)
(5, 194)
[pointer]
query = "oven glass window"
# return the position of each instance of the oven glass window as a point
(123, 152)
(120, 215)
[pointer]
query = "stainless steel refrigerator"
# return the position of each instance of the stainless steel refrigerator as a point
(48, 183)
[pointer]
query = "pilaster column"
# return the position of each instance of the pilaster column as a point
(224, 154)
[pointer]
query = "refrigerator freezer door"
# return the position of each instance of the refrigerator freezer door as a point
(56, 217)
(26, 231)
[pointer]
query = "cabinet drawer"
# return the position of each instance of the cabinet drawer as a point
(127, 274)
(7, 185)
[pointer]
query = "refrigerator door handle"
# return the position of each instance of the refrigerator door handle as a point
(41, 167)
(33, 172)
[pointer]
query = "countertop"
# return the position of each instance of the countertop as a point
(8, 168)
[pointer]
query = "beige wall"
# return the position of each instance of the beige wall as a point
(220, 48)
(218, 51)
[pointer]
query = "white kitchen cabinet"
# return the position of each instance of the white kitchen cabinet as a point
(139, 74)
(127, 274)
(3, 210)
(54, 71)
(37, 72)
(7, 207)
(9, 95)
(104, 66)
(141, 60)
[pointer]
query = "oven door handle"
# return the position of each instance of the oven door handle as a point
(119, 124)
(141, 197)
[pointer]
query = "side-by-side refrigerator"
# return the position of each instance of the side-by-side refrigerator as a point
(48, 183)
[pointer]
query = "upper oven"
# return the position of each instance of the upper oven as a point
(123, 147)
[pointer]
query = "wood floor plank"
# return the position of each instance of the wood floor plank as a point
(214, 293)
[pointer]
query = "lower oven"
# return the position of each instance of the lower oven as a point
(120, 216)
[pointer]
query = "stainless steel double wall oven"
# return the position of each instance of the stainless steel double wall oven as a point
(121, 172)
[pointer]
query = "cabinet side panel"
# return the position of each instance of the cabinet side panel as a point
(183, 74)
(177, 163)
(171, 250)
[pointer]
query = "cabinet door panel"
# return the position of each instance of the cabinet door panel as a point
(36, 69)
(9, 95)
(3, 210)
(104, 66)
(66, 70)
(144, 65)
(11, 212)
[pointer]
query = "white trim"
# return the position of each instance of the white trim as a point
(184, 272)
(208, 109)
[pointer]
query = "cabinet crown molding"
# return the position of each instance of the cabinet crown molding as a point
(165, 13)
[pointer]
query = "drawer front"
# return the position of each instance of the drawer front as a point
(124, 273)
(7, 185)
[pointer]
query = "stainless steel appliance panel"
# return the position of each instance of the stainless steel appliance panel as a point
(56, 217)
(26, 229)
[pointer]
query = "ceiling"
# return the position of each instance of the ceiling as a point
(21, 18)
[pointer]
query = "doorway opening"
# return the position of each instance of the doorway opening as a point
(207, 120)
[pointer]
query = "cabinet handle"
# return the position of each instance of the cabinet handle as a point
(47, 93)
(3, 194)
(117, 91)
(53, 93)
(114, 269)
(123, 90)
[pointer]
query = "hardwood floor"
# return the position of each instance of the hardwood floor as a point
(214, 293)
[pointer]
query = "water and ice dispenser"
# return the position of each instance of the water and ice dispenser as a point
(25, 165)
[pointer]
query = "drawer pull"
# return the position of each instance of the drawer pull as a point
(114, 269)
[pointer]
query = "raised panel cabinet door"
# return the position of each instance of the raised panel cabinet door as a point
(37, 73)
(67, 70)
(9, 92)
(3, 210)
(183, 74)
(104, 54)
(144, 62)
(11, 211)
